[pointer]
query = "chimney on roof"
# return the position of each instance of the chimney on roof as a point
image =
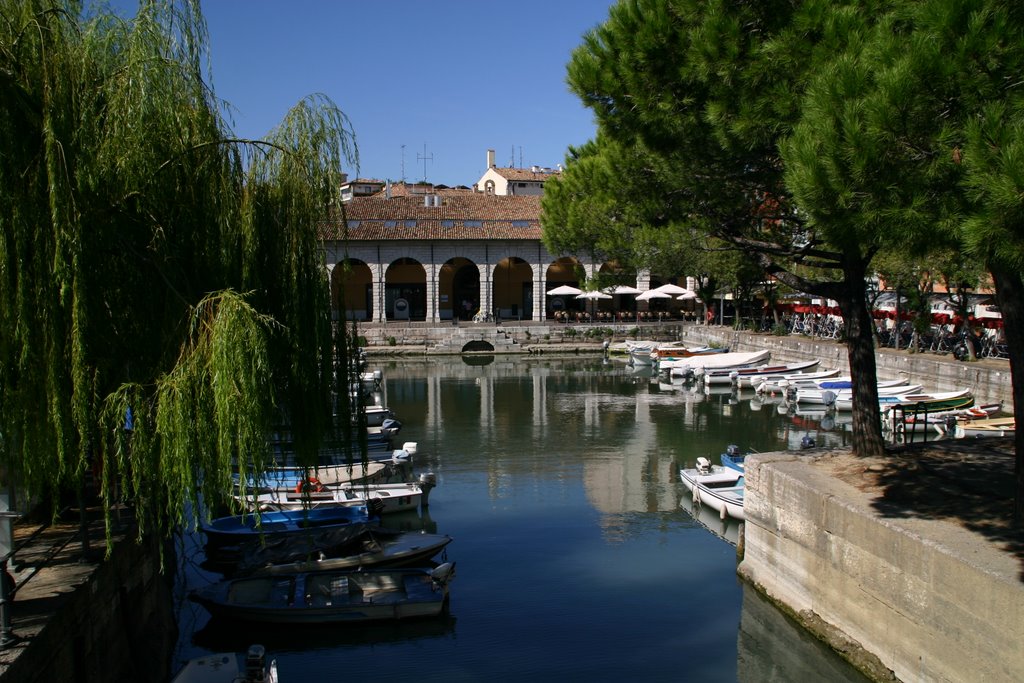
(490, 158)
(535, 169)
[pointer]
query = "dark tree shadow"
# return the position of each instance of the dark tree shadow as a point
(969, 482)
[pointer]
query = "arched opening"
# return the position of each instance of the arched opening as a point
(478, 346)
(513, 289)
(351, 290)
(458, 288)
(405, 290)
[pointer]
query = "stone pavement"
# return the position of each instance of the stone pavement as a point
(48, 565)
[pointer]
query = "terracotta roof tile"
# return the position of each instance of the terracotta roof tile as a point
(524, 174)
(463, 215)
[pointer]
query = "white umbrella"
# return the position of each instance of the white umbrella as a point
(565, 290)
(688, 296)
(593, 295)
(652, 294)
(671, 289)
(625, 289)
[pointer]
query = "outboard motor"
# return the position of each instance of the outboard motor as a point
(391, 426)
(428, 480)
(732, 449)
(950, 424)
(409, 447)
(703, 466)
(255, 664)
(807, 441)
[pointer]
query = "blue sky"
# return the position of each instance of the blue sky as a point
(449, 79)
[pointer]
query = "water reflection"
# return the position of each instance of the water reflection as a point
(727, 529)
(579, 553)
(771, 647)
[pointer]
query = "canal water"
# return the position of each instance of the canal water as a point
(577, 551)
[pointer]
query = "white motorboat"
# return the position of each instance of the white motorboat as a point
(824, 392)
(993, 426)
(767, 384)
(741, 376)
(718, 487)
(385, 498)
(697, 365)
(223, 667)
(901, 421)
(844, 398)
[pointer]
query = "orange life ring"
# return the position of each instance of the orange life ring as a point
(312, 484)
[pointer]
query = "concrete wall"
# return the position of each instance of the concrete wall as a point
(931, 606)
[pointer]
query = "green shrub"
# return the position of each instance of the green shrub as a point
(392, 341)
(570, 332)
(779, 330)
(361, 341)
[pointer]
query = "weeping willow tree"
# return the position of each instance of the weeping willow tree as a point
(163, 301)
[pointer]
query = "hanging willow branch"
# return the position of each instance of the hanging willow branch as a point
(131, 219)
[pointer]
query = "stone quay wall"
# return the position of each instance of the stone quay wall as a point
(117, 626)
(931, 600)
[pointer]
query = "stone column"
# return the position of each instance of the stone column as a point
(378, 293)
(431, 271)
(486, 287)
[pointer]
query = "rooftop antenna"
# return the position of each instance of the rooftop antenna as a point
(521, 157)
(424, 158)
(512, 161)
(403, 164)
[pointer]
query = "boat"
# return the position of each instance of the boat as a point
(228, 535)
(899, 420)
(697, 365)
(920, 401)
(843, 400)
(825, 392)
(739, 376)
(720, 488)
(644, 352)
(223, 667)
(778, 383)
(733, 458)
(665, 353)
(993, 426)
(289, 477)
(330, 597)
(376, 547)
(312, 494)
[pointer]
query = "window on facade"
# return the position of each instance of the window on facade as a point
(473, 224)
(447, 224)
(353, 224)
(410, 224)
(390, 224)
(520, 224)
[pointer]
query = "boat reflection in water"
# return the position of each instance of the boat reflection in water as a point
(727, 529)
